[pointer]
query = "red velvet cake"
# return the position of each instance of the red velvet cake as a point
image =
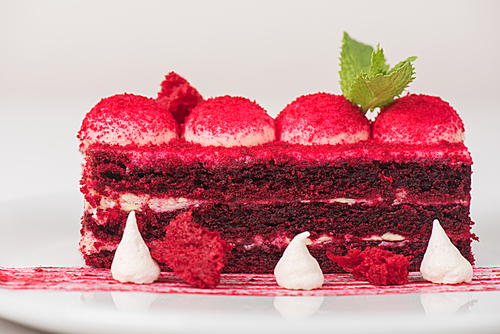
(321, 167)
(255, 183)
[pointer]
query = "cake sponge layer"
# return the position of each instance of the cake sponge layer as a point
(283, 172)
(261, 232)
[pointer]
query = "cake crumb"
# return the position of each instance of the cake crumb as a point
(375, 265)
(178, 96)
(193, 252)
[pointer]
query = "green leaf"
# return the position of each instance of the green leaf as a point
(365, 78)
(355, 58)
(402, 63)
(378, 65)
(380, 90)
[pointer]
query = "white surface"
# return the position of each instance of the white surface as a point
(59, 58)
(106, 312)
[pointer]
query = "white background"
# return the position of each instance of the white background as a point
(59, 58)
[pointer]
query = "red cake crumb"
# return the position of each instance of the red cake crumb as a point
(193, 252)
(418, 119)
(322, 118)
(4, 277)
(93, 200)
(375, 265)
(178, 96)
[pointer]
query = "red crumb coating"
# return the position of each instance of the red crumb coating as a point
(127, 119)
(230, 119)
(319, 116)
(178, 96)
(418, 119)
(193, 252)
(375, 265)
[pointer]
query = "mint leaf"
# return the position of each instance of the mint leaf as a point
(355, 58)
(378, 65)
(371, 92)
(403, 63)
(365, 78)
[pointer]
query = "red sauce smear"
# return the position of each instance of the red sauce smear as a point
(89, 279)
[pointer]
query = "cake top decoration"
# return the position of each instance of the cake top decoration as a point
(321, 119)
(418, 119)
(365, 78)
(178, 96)
(125, 119)
(229, 121)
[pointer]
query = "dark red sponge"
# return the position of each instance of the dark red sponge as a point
(193, 252)
(375, 265)
(178, 96)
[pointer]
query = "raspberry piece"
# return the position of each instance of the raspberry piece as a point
(375, 265)
(193, 252)
(178, 96)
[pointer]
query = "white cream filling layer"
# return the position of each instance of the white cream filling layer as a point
(281, 241)
(128, 202)
(385, 237)
(306, 135)
(240, 137)
(89, 244)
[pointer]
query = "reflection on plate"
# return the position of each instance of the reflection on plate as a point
(132, 312)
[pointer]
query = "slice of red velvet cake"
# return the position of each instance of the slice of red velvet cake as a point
(321, 167)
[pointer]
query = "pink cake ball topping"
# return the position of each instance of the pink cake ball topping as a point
(128, 119)
(229, 121)
(178, 96)
(320, 119)
(418, 119)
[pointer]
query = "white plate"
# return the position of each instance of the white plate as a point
(44, 231)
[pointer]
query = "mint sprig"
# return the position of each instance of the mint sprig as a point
(365, 78)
